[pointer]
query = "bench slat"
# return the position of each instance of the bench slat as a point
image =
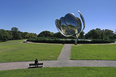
(36, 64)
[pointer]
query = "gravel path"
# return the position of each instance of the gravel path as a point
(63, 61)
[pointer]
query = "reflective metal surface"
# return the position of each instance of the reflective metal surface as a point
(64, 26)
(70, 25)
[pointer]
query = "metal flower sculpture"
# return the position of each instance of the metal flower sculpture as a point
(70, 25)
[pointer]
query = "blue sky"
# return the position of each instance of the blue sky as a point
(39, 15)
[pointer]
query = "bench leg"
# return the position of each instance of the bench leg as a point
(36, 65)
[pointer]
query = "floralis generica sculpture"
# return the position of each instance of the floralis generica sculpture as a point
(70, 26)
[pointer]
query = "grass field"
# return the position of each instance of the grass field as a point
(93, 52)
(61, 72)
(28, 51)
(12, 42)
(13, 51)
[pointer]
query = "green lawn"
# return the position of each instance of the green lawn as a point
(93, 52)
(61, 72)
(12, 42)
(29, 52)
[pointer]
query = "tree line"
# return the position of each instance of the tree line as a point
(100, 34)
(92, 34)
(14, 34)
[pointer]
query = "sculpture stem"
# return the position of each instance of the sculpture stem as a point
(75, 41)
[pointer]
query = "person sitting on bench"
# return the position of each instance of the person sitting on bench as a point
(36, 61)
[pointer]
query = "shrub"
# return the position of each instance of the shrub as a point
(58, 40)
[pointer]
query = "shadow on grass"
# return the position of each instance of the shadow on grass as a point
(35, 67)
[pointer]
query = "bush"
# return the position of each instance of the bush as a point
(103, 41)
(58, 40)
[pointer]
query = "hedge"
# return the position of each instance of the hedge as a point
(58, 40)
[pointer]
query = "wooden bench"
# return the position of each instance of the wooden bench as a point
(36, 65)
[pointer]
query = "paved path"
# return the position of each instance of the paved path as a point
(55, 63)
(65, 53)
(63, 61)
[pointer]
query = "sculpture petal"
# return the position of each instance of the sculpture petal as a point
(79, 26)
(64, 27)
(82, 20)
(79, 29)
(71, 23)
(58, 26)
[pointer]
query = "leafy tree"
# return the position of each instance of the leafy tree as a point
(100, 34)
(92, 34)
(46, 34)
(4, 35)
(15, 33)
(111, 37)
(81, 35)
(58, 35)
(30, 35)
(108, 32)
(98, 30)
(24, 35)
(14, 29)
(10, 34)
(114, 36)
(20, 34)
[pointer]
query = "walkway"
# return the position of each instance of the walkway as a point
(65, 53)
(63, 61)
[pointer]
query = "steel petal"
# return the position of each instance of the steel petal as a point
(58, 26)
(71, 23)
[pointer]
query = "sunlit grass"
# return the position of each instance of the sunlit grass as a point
(93, 52)
(12, 42)
(29, 52)
(61, 72)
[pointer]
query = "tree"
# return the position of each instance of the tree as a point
(10, 34)
(20, 34)
(114, 36)
(108, 32)
(58, 35)
(81, 35)
(100, 34)
(92, 34)
(46, 34)
(14, 29)
(15, 33)
(24, 35)
(98, 30)
(4, 35)
(30, 35)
